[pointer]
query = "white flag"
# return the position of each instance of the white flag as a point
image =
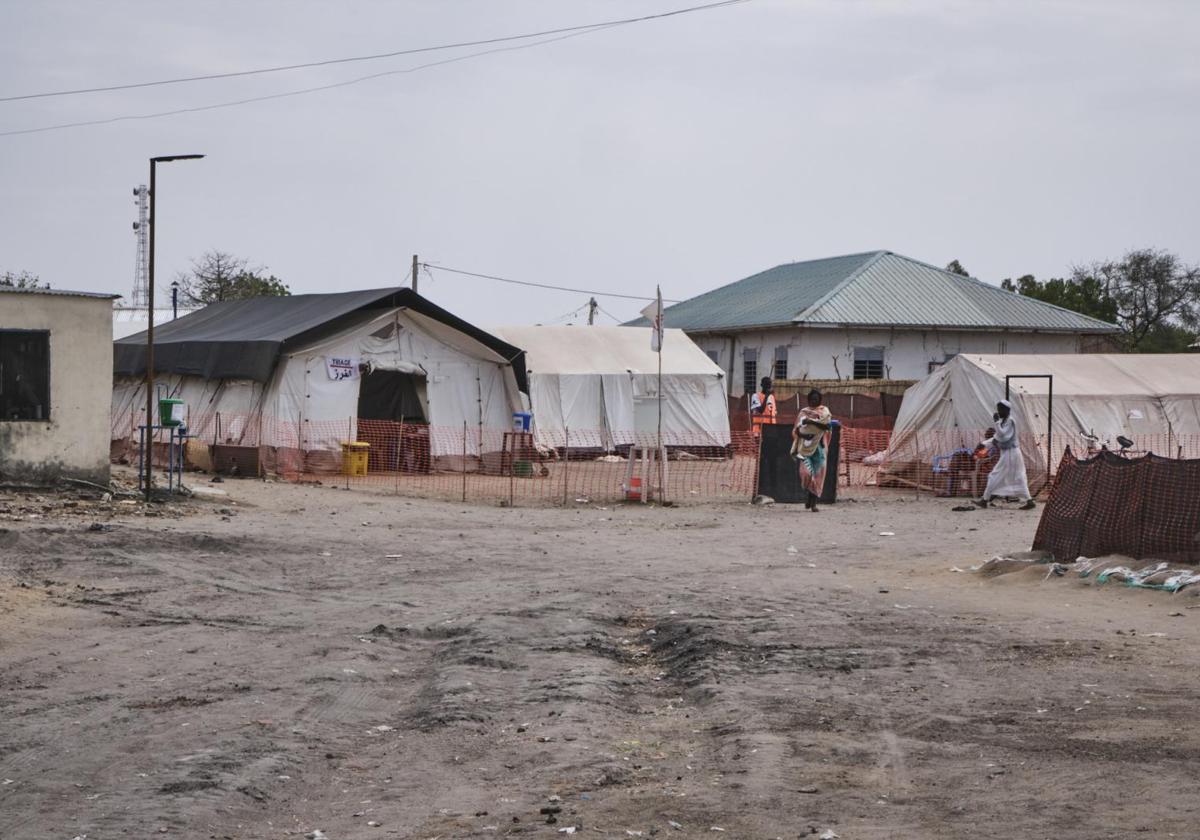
(654, 314)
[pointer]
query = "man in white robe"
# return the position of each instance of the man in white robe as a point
(1007, 478)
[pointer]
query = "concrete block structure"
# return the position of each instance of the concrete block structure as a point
(55, 385)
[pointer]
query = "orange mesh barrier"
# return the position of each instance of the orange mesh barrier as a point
(1143, 507)
(497, 464)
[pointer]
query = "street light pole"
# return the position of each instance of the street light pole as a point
(149, 438)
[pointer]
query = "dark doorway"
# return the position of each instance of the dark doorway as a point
(390, 395)
(391, 417)
(24, 375)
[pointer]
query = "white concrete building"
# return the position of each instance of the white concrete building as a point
(875, 315)
(55, 385)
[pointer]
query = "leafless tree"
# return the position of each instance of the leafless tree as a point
(1152, 291)
(217, 276)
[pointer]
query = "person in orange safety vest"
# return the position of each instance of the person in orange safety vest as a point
(763, 410)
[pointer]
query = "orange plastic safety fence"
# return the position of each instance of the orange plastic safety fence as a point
(499, 464)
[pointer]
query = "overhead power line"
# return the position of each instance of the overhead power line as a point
(574, 33)
(375, 56)
(610, 315)
(568, 316)
(286, 94)
(542, 285)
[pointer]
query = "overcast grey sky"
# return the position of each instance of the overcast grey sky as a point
(1017, 136)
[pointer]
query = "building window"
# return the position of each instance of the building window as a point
(24, 375)
(750, 371)
(780, 371)
(868, 363)
(715, 355)
(934, 365)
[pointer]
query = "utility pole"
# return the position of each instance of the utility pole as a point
(592, 307)
(415, 269)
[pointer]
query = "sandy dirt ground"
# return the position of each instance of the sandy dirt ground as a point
(305, 661)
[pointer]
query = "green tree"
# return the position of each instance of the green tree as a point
(955, 267)
(1151, 295)
(1086, 296)
(1156, 295)
(1168, 339)
(217, 276)
(22, 280)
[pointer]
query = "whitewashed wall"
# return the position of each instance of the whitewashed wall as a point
(817, 353)
(73, 442)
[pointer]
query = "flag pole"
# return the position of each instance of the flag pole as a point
(662, 455)
(654, 314)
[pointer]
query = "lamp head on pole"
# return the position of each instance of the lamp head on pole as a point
(169, 158)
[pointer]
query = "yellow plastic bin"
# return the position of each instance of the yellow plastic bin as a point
(354, 458)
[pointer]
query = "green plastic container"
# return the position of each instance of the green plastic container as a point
(170, 412)
(522, 469)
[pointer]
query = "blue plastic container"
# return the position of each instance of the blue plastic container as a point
(522, 421)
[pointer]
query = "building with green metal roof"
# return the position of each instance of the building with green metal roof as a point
(874, 315)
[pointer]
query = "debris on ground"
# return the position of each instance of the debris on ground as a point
(1158, 576)
(1014, 561)
(73, 501)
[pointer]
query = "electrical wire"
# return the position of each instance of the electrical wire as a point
(572, 314)
(542, 285)
(376, 56)
(287, 94)
(609, 314)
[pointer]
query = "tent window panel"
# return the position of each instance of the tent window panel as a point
(24, 375)
(868, 363)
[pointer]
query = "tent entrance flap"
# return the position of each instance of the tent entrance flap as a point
(391, 395)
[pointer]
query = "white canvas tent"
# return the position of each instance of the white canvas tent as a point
(588, 380)
(329, 356)
(1153, 399)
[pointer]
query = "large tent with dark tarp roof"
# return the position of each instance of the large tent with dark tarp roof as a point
(301, 371)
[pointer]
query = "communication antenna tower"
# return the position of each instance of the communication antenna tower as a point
(141, 265)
